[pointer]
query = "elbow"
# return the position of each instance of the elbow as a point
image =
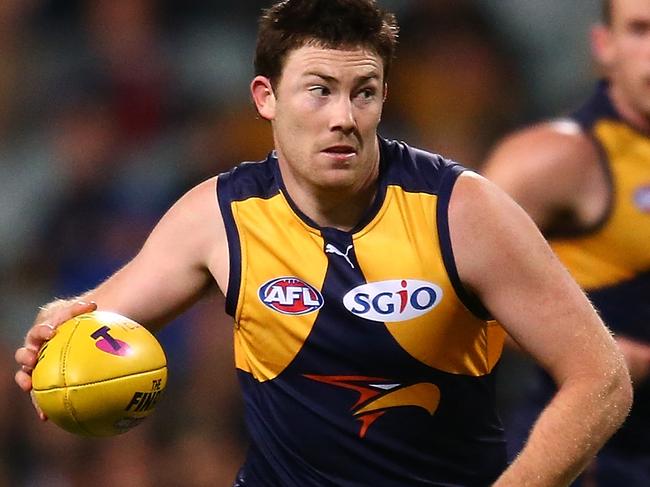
(628, 394)
(621, 393)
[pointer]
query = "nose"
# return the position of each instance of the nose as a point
(342, 115)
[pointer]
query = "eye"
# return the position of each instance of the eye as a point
(367, 93)
(639, 27)
(319, 91)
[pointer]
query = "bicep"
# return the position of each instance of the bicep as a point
(502, 258)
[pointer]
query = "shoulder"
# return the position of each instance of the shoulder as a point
(478, 204)
(546, 168)
(416, 169)
(248, 179)
(197, 200)
(489, 231)
(541, 149)
(194, 217)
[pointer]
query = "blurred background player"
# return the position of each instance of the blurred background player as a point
(585, 180)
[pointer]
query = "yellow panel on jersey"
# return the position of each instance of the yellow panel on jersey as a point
(449, 337)
(618, 249)
(266, 340)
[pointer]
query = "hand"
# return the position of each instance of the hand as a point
(47, 321)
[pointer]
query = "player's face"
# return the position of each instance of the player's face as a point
(627, 54)
(326, 108)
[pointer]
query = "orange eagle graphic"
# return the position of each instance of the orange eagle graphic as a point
(377, 395)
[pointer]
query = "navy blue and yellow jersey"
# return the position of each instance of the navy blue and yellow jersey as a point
(611, 260)
(362, 359)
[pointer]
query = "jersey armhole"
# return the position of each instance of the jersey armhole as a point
(234, 248)
(469, 300)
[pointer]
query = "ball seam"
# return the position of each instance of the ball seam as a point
(66, 386)
(66, 397)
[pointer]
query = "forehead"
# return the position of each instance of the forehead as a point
(627, 10)
(336, 63)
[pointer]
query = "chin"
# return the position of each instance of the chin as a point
(336, 180)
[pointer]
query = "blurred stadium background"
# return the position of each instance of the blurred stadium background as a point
(111, 109)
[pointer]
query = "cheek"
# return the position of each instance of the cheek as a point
(369, 120)
(631, 69)
(300, 117)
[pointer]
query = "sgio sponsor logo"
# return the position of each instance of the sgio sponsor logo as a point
(291, 296)
(393, 300)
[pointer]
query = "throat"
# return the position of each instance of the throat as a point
(343, 212)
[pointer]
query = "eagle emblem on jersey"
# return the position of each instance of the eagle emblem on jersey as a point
(377, 396)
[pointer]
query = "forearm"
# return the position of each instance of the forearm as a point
(569, 432)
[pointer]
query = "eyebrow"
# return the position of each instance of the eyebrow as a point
(332, 79)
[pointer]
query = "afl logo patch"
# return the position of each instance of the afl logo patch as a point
(642, 199)
(291, 296)
(394, 300)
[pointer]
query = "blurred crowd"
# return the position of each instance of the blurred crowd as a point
(111, 109)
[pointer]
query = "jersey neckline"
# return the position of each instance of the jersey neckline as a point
(368, 216)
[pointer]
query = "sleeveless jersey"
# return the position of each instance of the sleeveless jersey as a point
(612, 260)
(362, 359)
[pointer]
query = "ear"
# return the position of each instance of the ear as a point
(264, 97)
(602, 45)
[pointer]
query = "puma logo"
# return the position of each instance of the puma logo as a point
(330, 249)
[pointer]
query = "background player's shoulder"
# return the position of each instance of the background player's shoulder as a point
(559, 145)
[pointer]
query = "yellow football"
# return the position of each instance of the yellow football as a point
(100, 375)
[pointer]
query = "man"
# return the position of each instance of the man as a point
(586, 182)
(360, 273)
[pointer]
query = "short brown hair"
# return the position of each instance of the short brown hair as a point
(291, 24)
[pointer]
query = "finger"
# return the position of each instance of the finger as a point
(26, 358)
(56, 316)
(39, 411)
(80, 307)
(24, 380)
(37, 335)
(45, 330)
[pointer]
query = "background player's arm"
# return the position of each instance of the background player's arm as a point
(503, 259)
(185, 253)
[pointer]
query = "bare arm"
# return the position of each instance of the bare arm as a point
(185, 253)
(552, 171)
(502, 257)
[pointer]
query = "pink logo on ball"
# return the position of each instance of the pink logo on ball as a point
(108, 344)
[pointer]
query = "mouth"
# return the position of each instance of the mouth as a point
(340, 152)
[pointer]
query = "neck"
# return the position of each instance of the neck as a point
(340, 210)
(335, 207)
(626, 110)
